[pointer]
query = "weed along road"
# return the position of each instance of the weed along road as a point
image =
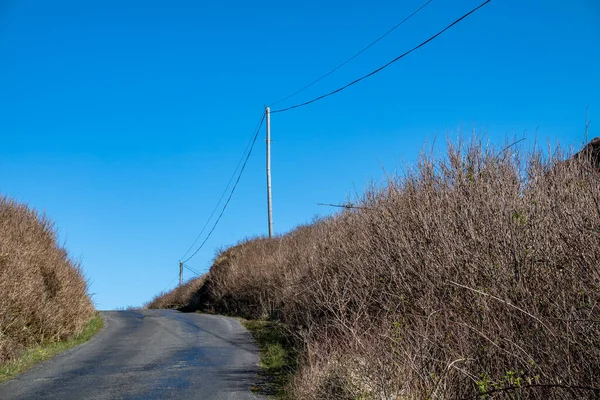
(149, 354)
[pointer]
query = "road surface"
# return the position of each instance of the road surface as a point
(149, 354)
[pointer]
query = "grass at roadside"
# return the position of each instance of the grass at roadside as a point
(277, 357)
(32, 356)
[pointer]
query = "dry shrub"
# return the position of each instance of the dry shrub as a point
(43, 294)
(253, 277)
(473, 276)
(180, 297)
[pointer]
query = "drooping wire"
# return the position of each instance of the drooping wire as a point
(193, 271)
(232, 191)
(222, 195)
(385, 65)
(169, 284)
(354, 56)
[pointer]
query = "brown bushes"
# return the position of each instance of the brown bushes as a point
(43, 296)
(180, 297)
(475, 276)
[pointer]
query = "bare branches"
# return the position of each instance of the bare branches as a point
(413, 294)
(502, 301)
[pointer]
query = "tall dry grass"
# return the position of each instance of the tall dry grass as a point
(43, 295)
(472, 276)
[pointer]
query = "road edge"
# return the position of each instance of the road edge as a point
(35, 356)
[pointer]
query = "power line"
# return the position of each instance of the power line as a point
(232, 191)
(355, 55)
(169, 284)
(223, 194)
(385, 65)
(191, 270)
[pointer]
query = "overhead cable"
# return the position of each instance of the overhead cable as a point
(232, 191)
(354, 56)
(385, 65)
(222, 195)
(168, 285)
(193, 271)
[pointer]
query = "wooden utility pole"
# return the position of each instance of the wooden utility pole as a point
(180, 273)
(268, 112)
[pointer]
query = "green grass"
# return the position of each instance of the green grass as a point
(277, 357)
(34, 355)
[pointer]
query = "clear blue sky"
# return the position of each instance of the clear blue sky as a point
(123, 120)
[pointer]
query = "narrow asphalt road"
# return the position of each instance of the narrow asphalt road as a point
(149, 354)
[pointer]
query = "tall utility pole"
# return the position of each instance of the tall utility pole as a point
(180, 273)
(268, 112)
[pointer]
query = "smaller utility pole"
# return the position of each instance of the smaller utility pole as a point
(587, 125)
(180, 273)
(268, 112)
